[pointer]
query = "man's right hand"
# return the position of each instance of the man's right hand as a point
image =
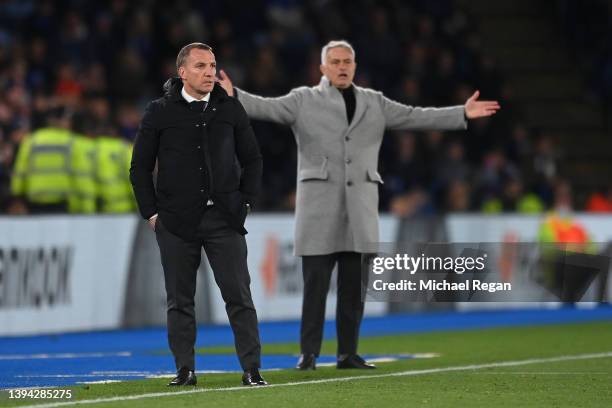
(226, 83)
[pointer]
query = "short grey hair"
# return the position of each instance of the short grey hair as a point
(335, 44)
(184, 52)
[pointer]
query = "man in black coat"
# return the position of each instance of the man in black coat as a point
(208, 171)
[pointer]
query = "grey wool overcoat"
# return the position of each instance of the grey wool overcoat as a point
(337, 177)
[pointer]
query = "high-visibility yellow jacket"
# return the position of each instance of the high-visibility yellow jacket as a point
(83, 171)
(113, 157)
(54, 166)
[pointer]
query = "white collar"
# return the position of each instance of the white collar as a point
(190, 98)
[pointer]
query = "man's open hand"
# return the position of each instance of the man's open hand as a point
(478, 109)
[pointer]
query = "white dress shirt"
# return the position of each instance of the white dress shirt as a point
(190, 98)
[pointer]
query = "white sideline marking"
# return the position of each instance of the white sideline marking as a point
(165, 374)
(339, 379)
(387, 359)
(63, 355)
(173, 373)
(100, 382)
(127, 374)
(544, 373)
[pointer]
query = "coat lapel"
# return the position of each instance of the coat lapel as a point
(361, 102)
(335, 102)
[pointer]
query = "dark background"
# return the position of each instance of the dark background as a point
(549, 63)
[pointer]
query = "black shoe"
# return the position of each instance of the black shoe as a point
(184, 376)
(252, 377)
(353, 361)
(307, 362)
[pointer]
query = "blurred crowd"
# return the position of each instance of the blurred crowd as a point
(587, 27)
(102, 61)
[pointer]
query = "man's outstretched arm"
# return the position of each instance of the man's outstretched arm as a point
(283, 109)
(399, 116)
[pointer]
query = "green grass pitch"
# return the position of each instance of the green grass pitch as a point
(468, 373)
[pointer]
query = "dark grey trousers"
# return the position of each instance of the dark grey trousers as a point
(227, 253)
(317, 270)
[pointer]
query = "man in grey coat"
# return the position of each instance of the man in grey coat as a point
(339, 128)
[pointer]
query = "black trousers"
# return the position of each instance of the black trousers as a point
(317, 272)
(227, 253)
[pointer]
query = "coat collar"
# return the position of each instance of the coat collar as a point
(172, 91)
(190, 98)
(361, 102)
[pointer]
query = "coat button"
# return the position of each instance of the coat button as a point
(201, 191)
(349, 183)
(348, 161)
(347, 138)
(197, 125)
(198, 147)
(204, 124)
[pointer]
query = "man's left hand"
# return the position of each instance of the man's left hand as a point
(479, 109)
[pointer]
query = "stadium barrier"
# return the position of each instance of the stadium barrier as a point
(60, 273)
(79, 273)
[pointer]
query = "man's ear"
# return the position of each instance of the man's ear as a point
(322, 68)
(181, 72)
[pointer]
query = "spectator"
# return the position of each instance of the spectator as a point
(61, 54)
(453, 165)
(599, 202)
(457, 197)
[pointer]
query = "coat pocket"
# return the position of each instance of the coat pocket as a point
(314, 174)
(374, 177)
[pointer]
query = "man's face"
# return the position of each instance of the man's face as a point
(339, 67)
(198, 72)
